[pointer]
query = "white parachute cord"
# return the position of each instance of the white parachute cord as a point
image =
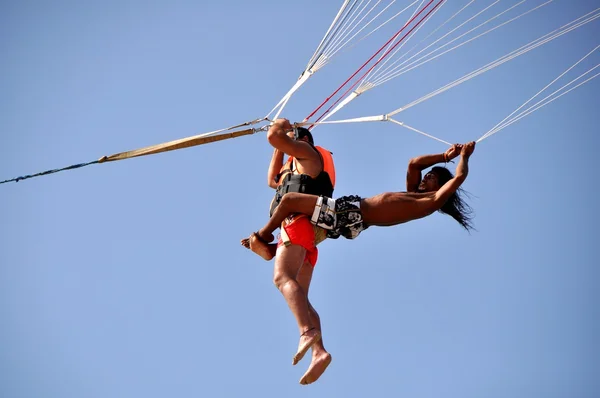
(345, 44)
(281, 107)
(389, 20)
(541, 103)
(391, 44)
(379, 118)
(283, 101)
(411, 66)
(339, 106)
(349, 27)
(384, 23)
(427, 37)
(439, 27)
(541, 91)
(516, 53)
(326, 38)
(417, 131)
(323, 59)
(389, 73)
(402, 68)
(535, 108)
(393, 53)
(363, 87)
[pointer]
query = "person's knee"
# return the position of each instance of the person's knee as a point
(287, 263)
(288, 199)
(280, 279)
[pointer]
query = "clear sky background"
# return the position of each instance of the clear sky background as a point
(128, 280)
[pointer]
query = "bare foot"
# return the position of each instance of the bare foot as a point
(260, 247)
(316, 369)
(265, 237)
(308, 338)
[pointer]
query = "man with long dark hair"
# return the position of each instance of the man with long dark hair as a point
(348, 216)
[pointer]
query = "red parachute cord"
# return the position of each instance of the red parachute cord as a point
(370, 59)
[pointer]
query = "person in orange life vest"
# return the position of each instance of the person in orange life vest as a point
(309, 169)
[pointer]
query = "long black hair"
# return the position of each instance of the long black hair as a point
(455, 206)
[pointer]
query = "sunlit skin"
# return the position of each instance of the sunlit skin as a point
(292, 274)
(423, 197)
(385, 209)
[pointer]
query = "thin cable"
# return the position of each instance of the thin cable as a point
(513, 54)
(345, 44)
(328, 35)
(541, 103)
(417, 131)
(416, 45)
(543, 89)
(389, 73)
(347, 29)
(355, 73)
(389, 58)
(415, 64)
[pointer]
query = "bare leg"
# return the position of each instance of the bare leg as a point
(320, 357)
(288, 261)
(291, 203)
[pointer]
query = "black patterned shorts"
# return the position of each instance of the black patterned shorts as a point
(340, 217)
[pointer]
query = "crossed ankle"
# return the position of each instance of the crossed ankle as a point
(309, 330)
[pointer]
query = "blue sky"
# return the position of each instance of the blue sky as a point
(127, 279)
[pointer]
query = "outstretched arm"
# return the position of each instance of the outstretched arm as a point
(462, 170)
(418, 164)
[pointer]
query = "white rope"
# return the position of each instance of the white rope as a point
(401, 46)
(321, 56)
(348, 28)
(393, 72)
(379, 118)
(516, 53)
(364, 87)
(374, 30)
(327, 37)
(283, 101)
(403, 68)
(343, 103)
(391, 43)
(427, 37)
(541, 103)
(533, 109)
(415, 64)
(542, 90)
(417, 131)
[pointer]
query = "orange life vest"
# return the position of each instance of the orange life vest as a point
(289, 180)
